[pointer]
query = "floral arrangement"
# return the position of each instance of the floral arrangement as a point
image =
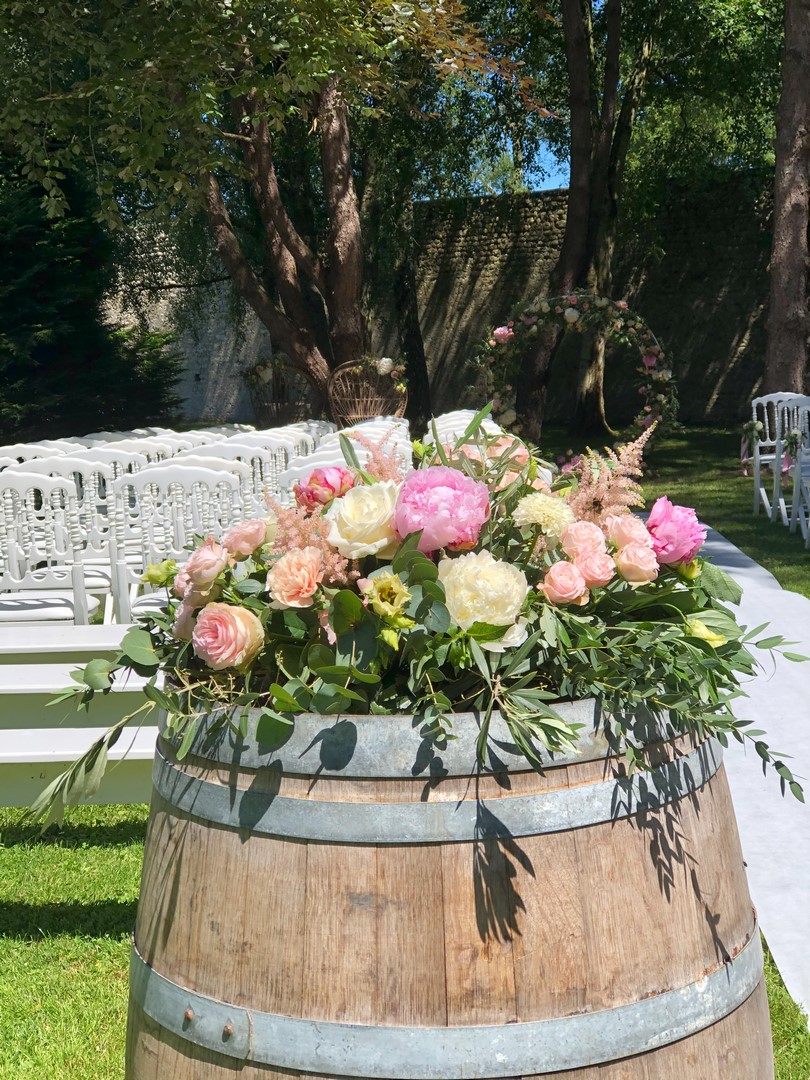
(579, 312)
(384, 365)
(478, 580)
(792, 442)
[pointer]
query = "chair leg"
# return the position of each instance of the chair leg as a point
(757, 482)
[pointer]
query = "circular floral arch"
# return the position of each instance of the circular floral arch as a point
(579, 312)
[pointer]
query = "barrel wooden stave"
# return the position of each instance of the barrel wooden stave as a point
(392, 934)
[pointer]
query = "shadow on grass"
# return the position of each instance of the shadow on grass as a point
(76, 836)
(100, 918)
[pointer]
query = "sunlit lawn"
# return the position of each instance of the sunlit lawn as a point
(67, 904)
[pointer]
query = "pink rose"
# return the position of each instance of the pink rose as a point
(649, 360)
(226, 636)
(295, 578)
(564, 584)
(509, 445)
(181, 582)
(581, 538)
(206, 563)
(596, 567)
(637, 563)
(624, 529)
(323, 485)
(677, 535)
(502, 334)
(245, 538)
(184, 621)
(448, 506)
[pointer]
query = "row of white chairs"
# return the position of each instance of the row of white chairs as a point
(80, 527)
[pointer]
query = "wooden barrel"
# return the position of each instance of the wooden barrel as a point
(362, 902)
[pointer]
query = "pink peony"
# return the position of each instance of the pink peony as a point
(226, 636)
(677, 535)
(596, 567)
(637, 563)
(206, 563)
(502, 334)
(323, 485)
(624, 529)
(564, 584)
(581, 538)
(295, 578)
(245, 538)
(449, 507)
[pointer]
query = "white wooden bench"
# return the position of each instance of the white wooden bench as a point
(38, 741)
(24, 644)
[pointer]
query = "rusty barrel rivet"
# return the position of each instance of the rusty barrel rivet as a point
(189, 1014)
(227, 1031)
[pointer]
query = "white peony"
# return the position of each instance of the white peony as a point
(551, 513)
(513, 637)
(385, 365)
(481, 588)
(571, 315)
(360, 521)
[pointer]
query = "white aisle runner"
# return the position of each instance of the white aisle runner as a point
(775, 829)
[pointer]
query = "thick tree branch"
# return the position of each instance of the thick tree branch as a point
(283, 331)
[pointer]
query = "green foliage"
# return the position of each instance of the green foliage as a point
(63, 368)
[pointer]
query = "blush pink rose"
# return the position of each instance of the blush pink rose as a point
(677, 535)
(181, 582)
(448, 506)
(502, 334)
(637, 563)
(295, 578)
(206, 563)
(596, 567)
(245, 538)
(225, 636)
(624, 529)
(581, 538)
(323, 485)
(564, 584)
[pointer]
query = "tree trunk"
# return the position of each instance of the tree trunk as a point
(788, 324)
(419, 408)
(536, 367)
(345, 248)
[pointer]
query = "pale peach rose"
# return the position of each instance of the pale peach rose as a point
(564, 584)
(245, 538)
(226, 636)
(206, 563)
(184, 620)
(185, 588)
(636, 562)
(181, 582)
(624, 529)
(294, 579)
(583, 538)
(596, 567)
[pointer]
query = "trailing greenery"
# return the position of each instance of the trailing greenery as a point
(65, 369)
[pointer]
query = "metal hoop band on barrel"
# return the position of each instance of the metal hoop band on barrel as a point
(439, 821)
(452, 1053)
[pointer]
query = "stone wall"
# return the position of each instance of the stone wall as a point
(697, 273)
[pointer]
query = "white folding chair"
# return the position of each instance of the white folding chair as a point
(771, 411)
(25, 451)
(157, 514)
(792, 427)
(41, 576)
(152, 448)
(265, 465)
(298, 442)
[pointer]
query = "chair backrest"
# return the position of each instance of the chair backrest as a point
(93, 482)
(265, 465)
(160, 509)
(121, 460)
(26, 451)
(40, 539)
(66, 446)
(152, 448)
(5, 462)
(298, 442)
(771, 410)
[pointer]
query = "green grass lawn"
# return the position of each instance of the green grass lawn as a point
(67, 904)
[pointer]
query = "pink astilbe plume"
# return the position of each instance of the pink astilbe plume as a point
(609, 484)
(384, 462)
(298, 528)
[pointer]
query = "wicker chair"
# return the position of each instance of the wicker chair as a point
(356, 392)
(289, 395)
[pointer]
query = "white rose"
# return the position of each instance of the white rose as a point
(571, 315)
(385, 365)
(508, 417)
(360, 521)
(480, 588)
